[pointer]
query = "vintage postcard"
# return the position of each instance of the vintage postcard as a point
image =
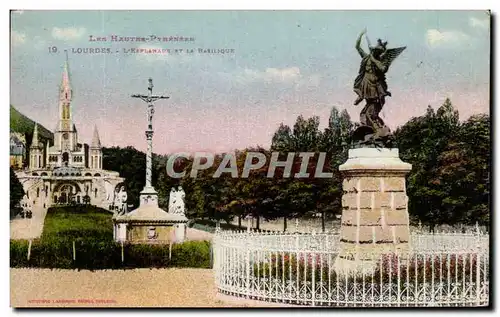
(250, 158)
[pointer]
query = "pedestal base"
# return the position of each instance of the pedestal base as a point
(375, 217)
(148, 196)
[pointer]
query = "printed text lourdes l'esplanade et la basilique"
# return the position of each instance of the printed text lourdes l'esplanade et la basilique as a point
(149, 38)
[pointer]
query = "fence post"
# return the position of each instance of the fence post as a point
(247, 260)
(313, 275)
(29, 249)
(74, 251)
(478, 276)
(170, 251)
(123, 255)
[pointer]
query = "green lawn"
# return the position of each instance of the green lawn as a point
(78, 222)
(81, 237)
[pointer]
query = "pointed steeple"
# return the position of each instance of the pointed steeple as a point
(65, 76)
(66, 91)
(34, 141)
(96, 142)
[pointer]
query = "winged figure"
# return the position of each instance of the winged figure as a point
(370, 84)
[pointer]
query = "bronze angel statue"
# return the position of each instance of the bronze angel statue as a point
(370, 85)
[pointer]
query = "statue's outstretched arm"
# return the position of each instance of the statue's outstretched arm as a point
(358, 45)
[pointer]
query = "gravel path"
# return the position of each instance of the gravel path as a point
(24, 228)
(117, 288)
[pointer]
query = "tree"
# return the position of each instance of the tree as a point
(442, 152)
(131, 164)
(335, 142)
(16, 191)
(250, 195)
(463, 170)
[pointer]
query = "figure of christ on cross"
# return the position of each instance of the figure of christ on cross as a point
(149, 99)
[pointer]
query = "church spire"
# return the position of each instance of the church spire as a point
(96, 142)
(65, 97)
(65, 83)
(34, 141)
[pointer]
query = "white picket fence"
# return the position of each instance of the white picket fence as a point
(441, 269)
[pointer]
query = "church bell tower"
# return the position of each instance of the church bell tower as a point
(65, 127)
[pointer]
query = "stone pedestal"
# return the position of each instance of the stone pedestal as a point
(148, 196)
(149, 223)
(374, 208)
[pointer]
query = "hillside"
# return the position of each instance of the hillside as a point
(22, 124)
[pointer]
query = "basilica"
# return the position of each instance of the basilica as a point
(67, 171)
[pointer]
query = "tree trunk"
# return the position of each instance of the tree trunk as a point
(323, 221)
(239, 222)
(284, 224)
(257, 226)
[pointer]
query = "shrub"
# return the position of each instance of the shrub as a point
(94, 254)
(191, 254)
(53, 254)
(437, 267)
(444, 268)
(18, 253)
(146, 255)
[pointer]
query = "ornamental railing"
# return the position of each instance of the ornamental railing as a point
(303, 269)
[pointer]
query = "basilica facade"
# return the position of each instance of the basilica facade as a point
(67, 171)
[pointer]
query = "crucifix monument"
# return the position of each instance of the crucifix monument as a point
(149, 223)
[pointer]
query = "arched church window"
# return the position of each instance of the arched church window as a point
(38, 192)
(95, 192)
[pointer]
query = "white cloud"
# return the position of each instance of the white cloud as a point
(71, 33)
(483, 24)
(436, 38)
(290, 74)
(17, 38)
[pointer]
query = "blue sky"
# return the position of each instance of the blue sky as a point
(285, 63)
